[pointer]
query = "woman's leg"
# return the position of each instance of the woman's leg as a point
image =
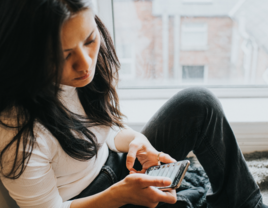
(194, 120)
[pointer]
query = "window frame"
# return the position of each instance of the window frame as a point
(106, 13)
(166, 93)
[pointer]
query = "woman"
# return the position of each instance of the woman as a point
(60, 116)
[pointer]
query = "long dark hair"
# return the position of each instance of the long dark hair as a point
(31, 64)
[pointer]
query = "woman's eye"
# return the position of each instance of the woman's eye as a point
(68, 56)
(91, 41)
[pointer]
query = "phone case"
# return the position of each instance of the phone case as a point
(175, 171)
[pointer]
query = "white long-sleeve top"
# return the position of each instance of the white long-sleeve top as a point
(52, 177)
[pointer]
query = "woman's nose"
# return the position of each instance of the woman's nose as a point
(83, 61)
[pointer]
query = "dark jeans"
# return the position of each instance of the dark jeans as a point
(194, 120)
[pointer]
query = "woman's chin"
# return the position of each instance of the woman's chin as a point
(83, 83)
(79, 83)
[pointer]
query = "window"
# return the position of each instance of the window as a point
(167, 37)
(232, 62)
(193, 73)
(194, 36)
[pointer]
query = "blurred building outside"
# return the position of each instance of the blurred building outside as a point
(180, 42)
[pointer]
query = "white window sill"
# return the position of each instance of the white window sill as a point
(163, 92)
(248, 118)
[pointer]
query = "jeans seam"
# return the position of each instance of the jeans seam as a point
(259, 202)
(111, 173)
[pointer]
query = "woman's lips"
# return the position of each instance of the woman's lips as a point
(83, 77)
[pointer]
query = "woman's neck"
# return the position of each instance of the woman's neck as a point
(67, 91)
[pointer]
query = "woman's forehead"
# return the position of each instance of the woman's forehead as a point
(77, 28)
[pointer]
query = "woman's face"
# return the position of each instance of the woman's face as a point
(80, 42)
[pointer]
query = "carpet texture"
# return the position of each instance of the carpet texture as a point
(258, 166)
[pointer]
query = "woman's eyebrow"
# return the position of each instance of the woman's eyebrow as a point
(84, 41)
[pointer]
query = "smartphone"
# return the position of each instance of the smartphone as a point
(175, 171)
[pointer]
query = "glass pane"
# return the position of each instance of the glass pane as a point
(167, 42)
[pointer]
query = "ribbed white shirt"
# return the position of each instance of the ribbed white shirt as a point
(52, 177)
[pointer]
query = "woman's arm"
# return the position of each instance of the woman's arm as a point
(125, 137)
(135, 189)
(37, 186)
(107, 198)
(138, 146)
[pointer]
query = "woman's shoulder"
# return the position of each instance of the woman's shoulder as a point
(45, 141)
(43, 151)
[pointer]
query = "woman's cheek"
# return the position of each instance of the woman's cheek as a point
(66, 74)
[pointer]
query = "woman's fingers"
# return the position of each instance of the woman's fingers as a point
(142, 171)
(144, 192)
(137, 171)
(131, 156)
(167, 196)
(145, 181)
(166, 158)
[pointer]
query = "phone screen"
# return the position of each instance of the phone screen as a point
(174, 171)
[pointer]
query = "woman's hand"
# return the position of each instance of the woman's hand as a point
(142, 149)
(138, 189)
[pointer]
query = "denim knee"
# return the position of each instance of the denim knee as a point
(193, 102)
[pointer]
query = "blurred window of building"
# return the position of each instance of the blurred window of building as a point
(194, 36)
(126, 58)
(193, 73)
